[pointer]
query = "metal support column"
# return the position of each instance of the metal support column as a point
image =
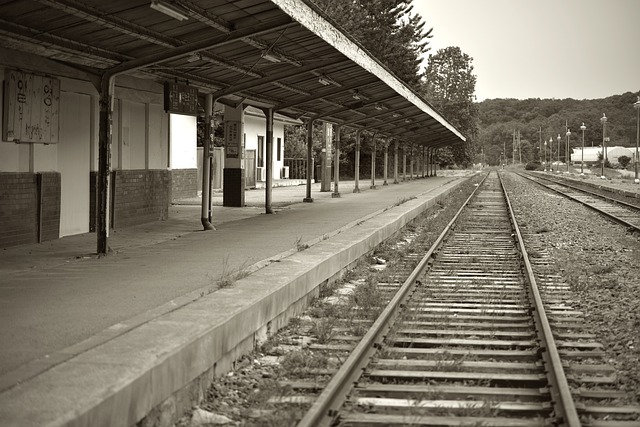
(336, 164)
(104, 163)
(308, 198)
(404, 162)
(268, 113)
(205, 218)
(356, 189)
(373, 163)
(386, 161)
(395, 162)
(411, 161)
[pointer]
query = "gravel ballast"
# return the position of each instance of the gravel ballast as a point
(599, 260)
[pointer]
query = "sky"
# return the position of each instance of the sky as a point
(581, 49)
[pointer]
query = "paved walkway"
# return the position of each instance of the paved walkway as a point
(60, 294)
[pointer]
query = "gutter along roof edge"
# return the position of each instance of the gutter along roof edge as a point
(317, 22)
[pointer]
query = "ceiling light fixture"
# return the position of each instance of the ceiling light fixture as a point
(355, 95)
(380, 107)
(323, 80)
(270, 56)
(169, 10)
(193, 58)
(396, 114)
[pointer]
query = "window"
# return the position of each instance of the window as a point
(260, 151)
(279, 149)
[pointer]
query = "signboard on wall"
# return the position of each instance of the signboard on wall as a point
(232, 142)
(180, 99)
(31, 110)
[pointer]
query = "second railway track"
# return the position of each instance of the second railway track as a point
(625, 213)
(466, 341)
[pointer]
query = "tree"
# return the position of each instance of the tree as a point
(624, 161)
(388, 29)
(449, 84)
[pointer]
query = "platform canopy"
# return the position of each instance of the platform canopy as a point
(283, 54)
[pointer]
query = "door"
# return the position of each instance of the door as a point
(250, 168)
(73, 161)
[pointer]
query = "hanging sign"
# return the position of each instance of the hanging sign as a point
(31, 108)
(180, 99)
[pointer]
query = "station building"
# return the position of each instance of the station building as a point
(99, 127)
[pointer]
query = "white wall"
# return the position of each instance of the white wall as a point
(256, 126)
(131, 149)
(140, 140)
(183, 137)
(73, 162)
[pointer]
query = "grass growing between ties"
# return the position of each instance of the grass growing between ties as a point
(300, 360)
(299, 245)
(271, 386)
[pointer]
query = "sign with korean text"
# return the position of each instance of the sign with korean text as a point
(180, 99)
(232, 138)
(31, 110)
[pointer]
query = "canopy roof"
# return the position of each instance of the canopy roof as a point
(282, 54)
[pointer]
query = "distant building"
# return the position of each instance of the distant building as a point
(591, 154)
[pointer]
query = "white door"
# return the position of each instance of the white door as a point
(73, 162)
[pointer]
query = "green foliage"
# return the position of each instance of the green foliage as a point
(388, 29)
(533, 166)
(607, 163)
(540, 120)
(624, 161)
(449, 84)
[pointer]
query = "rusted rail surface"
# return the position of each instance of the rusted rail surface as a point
(464, 347)
(470, 338)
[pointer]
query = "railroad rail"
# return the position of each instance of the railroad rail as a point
(470, 338)
(622, 212)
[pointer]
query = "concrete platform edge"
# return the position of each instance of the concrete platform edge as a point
(123, 380)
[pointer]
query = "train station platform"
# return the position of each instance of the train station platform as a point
(90, 340)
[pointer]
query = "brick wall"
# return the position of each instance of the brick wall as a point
(23, 196)
(140, 196)
(184, 183)
(51, 189)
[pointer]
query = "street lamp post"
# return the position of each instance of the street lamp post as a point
(603, 120)
(545, 155)
(582, 128)
(636, 105)
(559, 139)
(567, 156)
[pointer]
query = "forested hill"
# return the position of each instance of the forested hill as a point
(498, 118)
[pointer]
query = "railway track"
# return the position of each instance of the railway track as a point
(469, 339)
(624, 213)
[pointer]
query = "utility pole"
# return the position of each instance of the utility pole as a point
(504, 151)
(513, 145)
(539, 140)
(519, 147)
